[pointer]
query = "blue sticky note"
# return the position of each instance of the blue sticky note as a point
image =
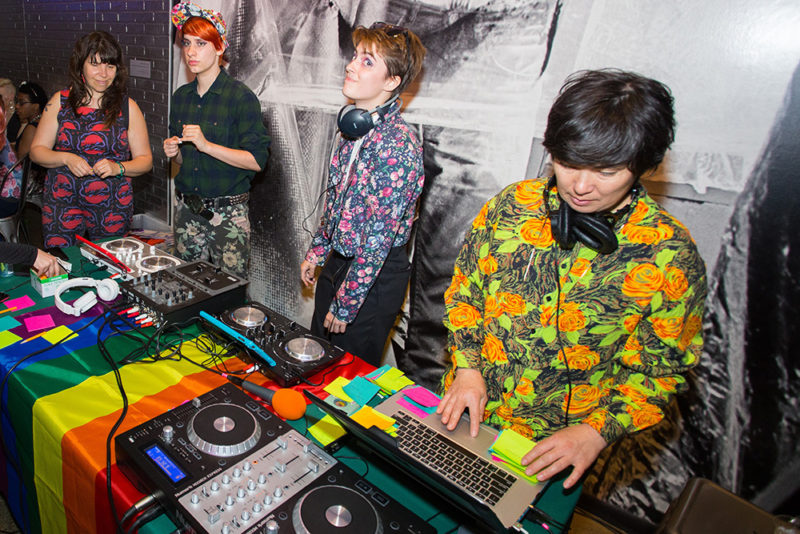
(7, 323)
(361, 390)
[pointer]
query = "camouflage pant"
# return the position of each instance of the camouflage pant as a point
(224, 240)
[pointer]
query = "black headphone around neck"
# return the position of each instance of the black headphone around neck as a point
(595, 230)
(356, 122)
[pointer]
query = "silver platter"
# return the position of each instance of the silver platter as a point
(123, 246)
(152, 264)
(305, 349)
(248, 316)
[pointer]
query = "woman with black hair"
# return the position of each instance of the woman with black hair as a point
(92, 137)
(576, 305)
(30, 102)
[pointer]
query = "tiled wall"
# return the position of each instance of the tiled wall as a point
(38, 36)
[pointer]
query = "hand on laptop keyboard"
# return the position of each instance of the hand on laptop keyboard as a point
(468, 390)
(576, 446)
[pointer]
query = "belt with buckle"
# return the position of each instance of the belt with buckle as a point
(216, 202)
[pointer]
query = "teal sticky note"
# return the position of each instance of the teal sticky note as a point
(361, 390)
(7, 323)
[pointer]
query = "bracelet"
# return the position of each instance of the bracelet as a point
(121, 170)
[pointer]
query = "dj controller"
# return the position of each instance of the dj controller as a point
(223, 464)
(128, 257)
(283, 350)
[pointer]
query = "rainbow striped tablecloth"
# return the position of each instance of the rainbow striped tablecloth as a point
(57, 410)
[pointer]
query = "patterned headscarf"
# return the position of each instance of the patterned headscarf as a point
(184, 10)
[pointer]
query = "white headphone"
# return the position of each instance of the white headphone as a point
(106, 289)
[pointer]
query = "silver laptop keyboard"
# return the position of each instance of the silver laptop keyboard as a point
(474, 474)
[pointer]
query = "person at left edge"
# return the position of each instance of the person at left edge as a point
(92, 138)
(219, 140)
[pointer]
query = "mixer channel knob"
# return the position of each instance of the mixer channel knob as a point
(278, 493)
(229, 500)
(237, 472)
(241, 493)
(257, 507)
(262, 479)
(226, 529)
(226, 479)
(271, 527)
(247, 467)
(245, 515)
(195, 499)
(167, 433)
(251, 485)
(267, 499)
(215, 486)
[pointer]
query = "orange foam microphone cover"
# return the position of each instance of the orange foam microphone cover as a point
(289, 404)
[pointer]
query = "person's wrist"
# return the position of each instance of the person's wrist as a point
(121, 169)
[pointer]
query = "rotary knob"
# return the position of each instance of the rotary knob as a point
(167, 433)
(278, 493)
(229, 500)
(257, 507)
(271, 527)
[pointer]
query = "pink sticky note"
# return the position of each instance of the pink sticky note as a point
(39, 322)
(422, 396)
(20, 303)
(411, 408)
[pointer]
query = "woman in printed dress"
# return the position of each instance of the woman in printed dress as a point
(92, 138)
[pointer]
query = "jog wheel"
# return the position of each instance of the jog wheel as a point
(335, 510)
(223, 430)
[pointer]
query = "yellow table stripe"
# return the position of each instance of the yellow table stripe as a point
(94, 397)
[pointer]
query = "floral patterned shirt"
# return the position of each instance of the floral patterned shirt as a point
(371, 209)
(629, 322)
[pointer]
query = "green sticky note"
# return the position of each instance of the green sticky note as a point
(58, 333)
(327, 430)
(8, 338)
(512, 445)
(335, 388)
(393, 380)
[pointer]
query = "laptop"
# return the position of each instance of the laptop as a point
(452, 463)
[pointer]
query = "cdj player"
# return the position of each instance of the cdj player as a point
(223, 464)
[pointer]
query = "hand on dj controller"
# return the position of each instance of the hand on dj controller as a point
(334, 325)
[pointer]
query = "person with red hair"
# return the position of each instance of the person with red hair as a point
(218, 138)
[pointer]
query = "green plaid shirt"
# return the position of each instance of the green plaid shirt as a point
(229, 115)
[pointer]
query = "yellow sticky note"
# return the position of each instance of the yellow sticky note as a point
(368, 417)
(327, 430)
(335, 388)
(58, 333)
(8, 338)
(512, 445)
(393, 380)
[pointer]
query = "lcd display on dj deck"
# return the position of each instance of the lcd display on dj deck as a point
(165, 463)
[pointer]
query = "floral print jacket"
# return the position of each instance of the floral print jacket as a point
(370, 210)
(629, 322)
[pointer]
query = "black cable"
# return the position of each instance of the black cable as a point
(147, 516)
(142, 504)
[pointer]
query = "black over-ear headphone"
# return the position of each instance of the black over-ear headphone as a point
(595, 230)
(356, 122)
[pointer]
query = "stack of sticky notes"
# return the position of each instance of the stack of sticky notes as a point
(389, 379)
(509, 447)
(419, 401)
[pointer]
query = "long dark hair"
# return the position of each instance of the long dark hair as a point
(89, 46)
